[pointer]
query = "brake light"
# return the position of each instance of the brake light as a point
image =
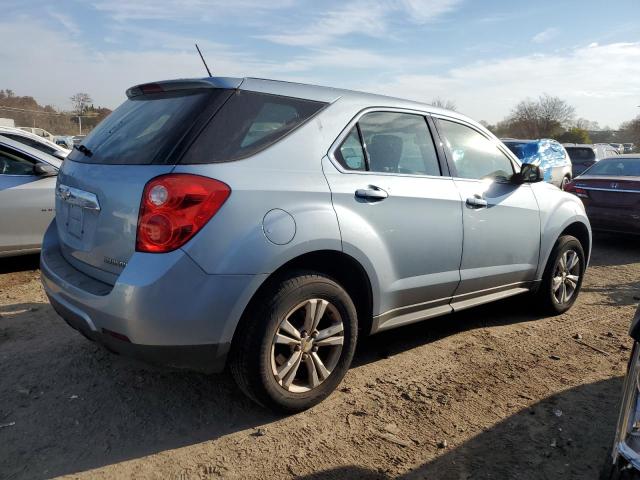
(174, 208)
(151, 88)
(572, 188)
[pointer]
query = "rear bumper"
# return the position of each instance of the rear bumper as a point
(163, 308)
(614, 220)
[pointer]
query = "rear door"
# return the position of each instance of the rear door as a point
(26, 201)
(501, 220)
(101, 182)
(397, 206)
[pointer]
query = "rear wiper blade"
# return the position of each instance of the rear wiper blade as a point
(83, 149)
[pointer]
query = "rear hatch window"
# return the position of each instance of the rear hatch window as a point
(581, 155)
(146, 129)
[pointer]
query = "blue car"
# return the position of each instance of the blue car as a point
(547, 154)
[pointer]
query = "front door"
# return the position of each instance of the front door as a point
(501, 220)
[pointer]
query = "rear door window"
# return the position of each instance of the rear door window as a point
(393, 143)
(248, 123)
(399, 143)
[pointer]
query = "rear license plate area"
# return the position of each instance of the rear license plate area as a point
(75, 221)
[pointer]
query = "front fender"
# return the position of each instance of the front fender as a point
(558, 211)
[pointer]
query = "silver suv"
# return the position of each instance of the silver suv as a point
(266, 225)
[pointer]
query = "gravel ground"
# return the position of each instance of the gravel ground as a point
(495, 392)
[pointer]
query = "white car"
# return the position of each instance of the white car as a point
(27, 198)
(35, 141)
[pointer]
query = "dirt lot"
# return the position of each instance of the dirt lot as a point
(490, 393)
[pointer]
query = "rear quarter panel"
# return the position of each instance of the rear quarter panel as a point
(286, 176)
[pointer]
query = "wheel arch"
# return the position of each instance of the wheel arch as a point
(343, 268)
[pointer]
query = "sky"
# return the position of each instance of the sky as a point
(485, 55)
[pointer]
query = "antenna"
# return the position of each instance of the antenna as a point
(205, 63)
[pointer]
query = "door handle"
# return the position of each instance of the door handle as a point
(371, 193)
(477, 202)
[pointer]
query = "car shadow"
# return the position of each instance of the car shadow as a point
(81, 407)
(566, 436)
(516, 309)
(68, 405)
(614, 249)
(19, 264)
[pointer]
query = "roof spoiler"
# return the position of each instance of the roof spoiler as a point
(191, 84)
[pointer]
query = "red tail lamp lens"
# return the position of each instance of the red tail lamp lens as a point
(174, 208)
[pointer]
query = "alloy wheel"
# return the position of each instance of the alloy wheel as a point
(566, 277)
(311, 334)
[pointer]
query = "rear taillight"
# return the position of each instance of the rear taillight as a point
(174, 208)
(580, 192)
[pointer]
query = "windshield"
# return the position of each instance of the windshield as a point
(616, 167)
(143, 129)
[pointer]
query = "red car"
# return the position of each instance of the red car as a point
(610, 191)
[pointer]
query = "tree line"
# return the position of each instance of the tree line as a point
(27, 112)
(552, 117)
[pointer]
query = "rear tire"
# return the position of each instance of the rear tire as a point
(276, 361)
(562, 278)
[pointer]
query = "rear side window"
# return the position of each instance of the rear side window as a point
(473, 154)
(144, 129)
(581, 155)
(247, 123)
(351, 154)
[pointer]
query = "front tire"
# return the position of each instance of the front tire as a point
(295, 343)
(562, 278)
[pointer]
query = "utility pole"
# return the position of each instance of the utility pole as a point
(80, 124)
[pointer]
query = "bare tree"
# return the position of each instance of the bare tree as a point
(585, 124)
(80, 102)
(542, 118)
(444, 103)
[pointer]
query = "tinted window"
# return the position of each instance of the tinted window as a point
(31, 143)
(350, 154)
(14, 163)
(619, 167)
(144, 129)
(473, 154)
(247, 123)
(399, 143)
(581, 155)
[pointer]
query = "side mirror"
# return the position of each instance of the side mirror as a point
(45, 170)
(59, 154)
(529, 173)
